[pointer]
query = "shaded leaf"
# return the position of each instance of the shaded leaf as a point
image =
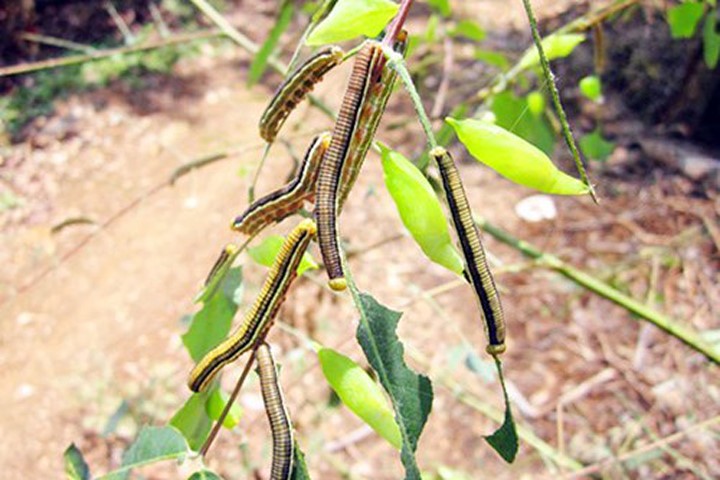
(76, 468)
(360, 394)
(265, 254)
(211, 324)
(468, 29)
(441, 6)
(352, 18)
(205, 475)
(192, 419)
(154, 444)
(259, 63)
(514, 158)
(595, 146)
(115, 418)
(411, 393)
(684, 19)
(511, 114)
(505, 440)
(496, 59)
(558, 45)
(420, 210)
(300, 471)
(711, 42)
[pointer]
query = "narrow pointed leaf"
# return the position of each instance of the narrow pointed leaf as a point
(558, 45)
(514, 158)
(260, 62)
(360, 394)
(300, 471)
(265, 254)
(353, 18)
(411, 393)
(420, 210)
(76, 468)
(154, 444)
(505, 439)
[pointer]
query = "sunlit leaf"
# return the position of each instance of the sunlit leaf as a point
(420, 210)
(595, 146)
(192, 419)
(511, 113)
(360, 394)
(352, 18)
(591, 87)
(684, 19)
(216, 404)
(76, 468)
(558, 45)
(514, 158)
(260, 61)
(411, 394)
(535, 103)
(711, 42)
(268, 250)
(154, 444)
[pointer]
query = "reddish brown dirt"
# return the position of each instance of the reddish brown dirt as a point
(104, 326)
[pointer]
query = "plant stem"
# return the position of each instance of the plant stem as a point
(587, 281)
(550, 79)
(397, 23)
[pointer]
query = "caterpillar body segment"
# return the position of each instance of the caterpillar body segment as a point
(295, 88)
(277, 205)
(476, 271)
(261, 315)
(280, 424)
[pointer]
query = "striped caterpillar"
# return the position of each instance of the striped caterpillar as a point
(263, 311)
(476, 267)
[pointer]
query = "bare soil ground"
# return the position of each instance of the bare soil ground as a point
(104, 326)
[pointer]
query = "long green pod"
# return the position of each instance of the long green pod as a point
(476, 268)
(278, 416)
(263, 311)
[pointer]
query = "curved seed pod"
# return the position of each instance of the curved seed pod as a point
(295, 88)
(277, 205)
(476, 268)
(280, 425)
(263, 311)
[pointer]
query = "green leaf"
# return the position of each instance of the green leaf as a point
(265, 254)
(684, 19)
(218, 276)
(76, 468)
(420, 210)
(353, 18)
(591, 87)
(505, 440)
(300, 471)
(154, 444)
(360, 394)
(468, 29)
(514, 158)
(216, 404)
(259, 63)
(441, 6)
(205, 475)
(510, 114)
(596, 147)
(411, 394)
(711, 42)
(211, 324)
(496, 59)
(557, 45)
(192, 419)
(535, 103)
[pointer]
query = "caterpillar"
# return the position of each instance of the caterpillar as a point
(363, 104)
(280, 425)
(260, 317)
(476, 268)
(289, 199)
(294, 89)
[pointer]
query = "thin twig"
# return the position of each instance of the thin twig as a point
(439, 104)
(57, 42)
(555, 94)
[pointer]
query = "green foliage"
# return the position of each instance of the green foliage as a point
(596, 147)
(441, 6)
(216, 404)
(468, 29)
(591, 87)
(192, 419)
(75, 466)
(536, 103)
(265, 253)
(514, 158)
(420, 210)
(360, 394)
(300, 471)
(510, 113)
(411, 393)
(353, 18)
(204, 475)
(153, 444)
(555, 46)
(259, 63)
(711, 41)
(504, 440)
(684, 19)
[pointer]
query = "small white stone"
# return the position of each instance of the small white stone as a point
(25, 390)
(536, 208)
